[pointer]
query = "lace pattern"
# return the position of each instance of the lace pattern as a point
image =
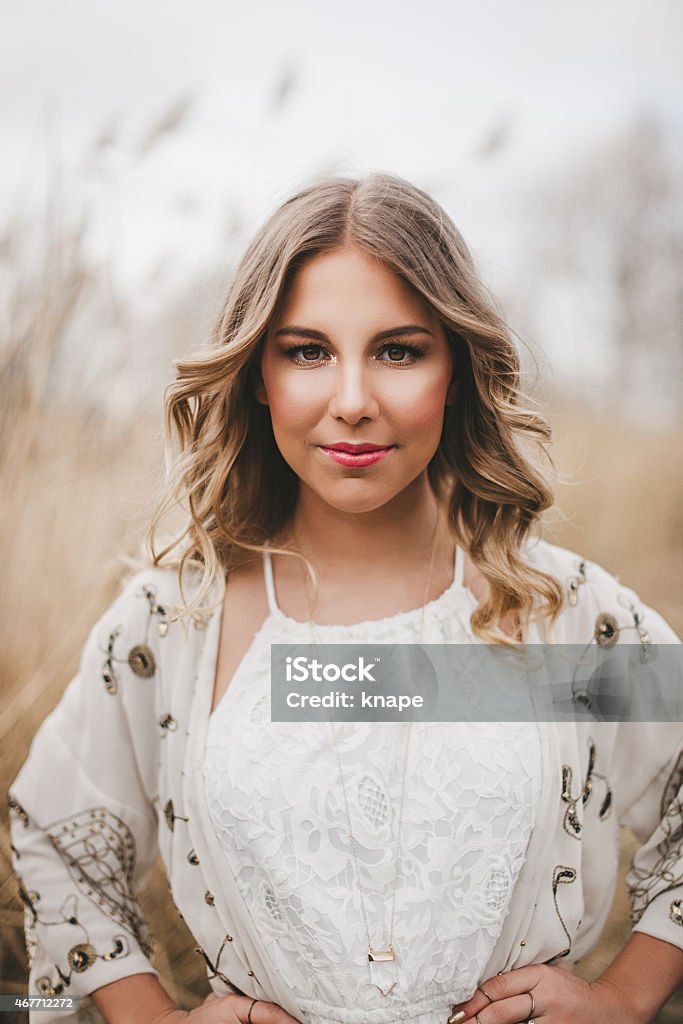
(276, 804)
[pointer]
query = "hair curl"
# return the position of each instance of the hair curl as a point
(228, 473)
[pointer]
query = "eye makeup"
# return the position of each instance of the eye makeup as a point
(414, 352)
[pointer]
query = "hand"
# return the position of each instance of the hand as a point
(232, 1009)
(559, 997)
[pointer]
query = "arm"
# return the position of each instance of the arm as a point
(650, 967)
(142, 999)
(631, 991)
(82, 817)
(84, 833)
(139, 997)
(649, 758)
(644, 957)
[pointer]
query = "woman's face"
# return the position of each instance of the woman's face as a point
(356, 370)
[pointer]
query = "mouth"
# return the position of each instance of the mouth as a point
(357, 454)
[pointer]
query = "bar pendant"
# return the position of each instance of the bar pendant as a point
(380, 955)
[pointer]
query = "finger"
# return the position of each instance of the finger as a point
(505, 1011)
(461, 1013)
(501, 987)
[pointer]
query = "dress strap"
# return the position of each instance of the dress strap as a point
(270, 583)
(458, 567)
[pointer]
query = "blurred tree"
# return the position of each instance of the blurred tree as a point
(612, 237)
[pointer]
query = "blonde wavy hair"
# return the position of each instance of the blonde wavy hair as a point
(227, 473)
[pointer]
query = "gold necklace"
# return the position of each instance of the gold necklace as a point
(379, 959)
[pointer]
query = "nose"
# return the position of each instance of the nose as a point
(353, 395)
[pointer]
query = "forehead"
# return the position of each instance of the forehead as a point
(349, 283)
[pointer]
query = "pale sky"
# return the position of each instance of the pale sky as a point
(413, 88)
(478, 102)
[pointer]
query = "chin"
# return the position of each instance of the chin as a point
(357, 508)
(357, 503)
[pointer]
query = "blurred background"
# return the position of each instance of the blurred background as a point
(142, 144)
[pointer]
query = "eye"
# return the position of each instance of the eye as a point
(304, 353)
(396, 354)
(310, 352)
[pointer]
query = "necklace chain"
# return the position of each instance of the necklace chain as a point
(355, 850)
(387, 954)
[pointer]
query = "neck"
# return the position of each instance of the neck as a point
(355, 542)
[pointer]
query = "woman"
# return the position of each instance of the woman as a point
(350, 455)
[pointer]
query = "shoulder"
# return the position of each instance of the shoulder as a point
(145, 593)
(592, 592)
(143, 584)
(162, 592)
(149, 614)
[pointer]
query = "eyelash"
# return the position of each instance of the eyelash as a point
(413, 351)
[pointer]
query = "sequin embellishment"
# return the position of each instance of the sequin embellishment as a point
(170, 815)
(562, 876)
(606, 630)
(81, 957)
(142, 661)
(156, 609)
(109, 676)
(574, 582)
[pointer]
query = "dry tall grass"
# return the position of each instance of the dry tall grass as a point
(74, 494)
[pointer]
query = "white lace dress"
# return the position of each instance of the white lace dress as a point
(277, 807)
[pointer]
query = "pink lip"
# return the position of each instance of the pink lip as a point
(356, 454)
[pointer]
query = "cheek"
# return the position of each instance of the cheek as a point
(292, 401)
(420, 405)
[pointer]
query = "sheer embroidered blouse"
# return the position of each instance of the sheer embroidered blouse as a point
(131, 764)
(276, 803)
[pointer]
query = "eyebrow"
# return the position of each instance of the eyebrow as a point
(392, 332)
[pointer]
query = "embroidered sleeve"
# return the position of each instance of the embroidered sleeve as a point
(646, 770)
(649, 764)
(656, 877)
(82, 814)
